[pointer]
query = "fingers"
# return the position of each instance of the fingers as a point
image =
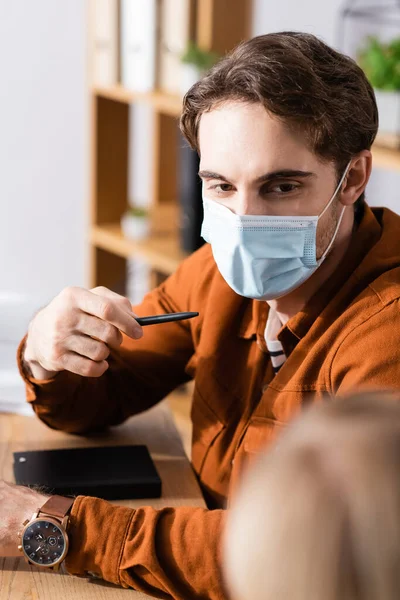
(106, 293)
(75, 363)
(111, 308)
(87, 347)
(76, 331)
(99, 329)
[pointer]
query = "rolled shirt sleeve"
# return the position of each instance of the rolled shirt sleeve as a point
(167, 553)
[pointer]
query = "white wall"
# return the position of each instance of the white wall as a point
(43, 167)
(311, 16)
(43, 145)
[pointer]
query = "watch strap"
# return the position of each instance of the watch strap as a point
(57, 506)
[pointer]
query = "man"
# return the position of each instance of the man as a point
(298, 295)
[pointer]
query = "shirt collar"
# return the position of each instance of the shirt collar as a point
(254, 319)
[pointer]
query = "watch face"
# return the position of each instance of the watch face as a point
(44, 543)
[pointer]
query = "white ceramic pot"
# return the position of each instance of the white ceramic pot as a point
(389, 111)
(135, 228)
(189, 75)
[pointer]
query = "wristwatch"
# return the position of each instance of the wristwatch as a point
(44, 539)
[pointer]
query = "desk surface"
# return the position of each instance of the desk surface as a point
(156, 429)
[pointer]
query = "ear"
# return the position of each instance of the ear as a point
(357, 178)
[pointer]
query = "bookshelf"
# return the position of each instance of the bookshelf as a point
(219, 26)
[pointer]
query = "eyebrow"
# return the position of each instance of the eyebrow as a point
(283, 174)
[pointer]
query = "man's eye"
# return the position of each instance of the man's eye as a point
(222, 187)
(283, 188)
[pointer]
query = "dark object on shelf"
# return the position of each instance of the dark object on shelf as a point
(111, 472)
(190, 199)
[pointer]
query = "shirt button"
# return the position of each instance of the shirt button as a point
(264, 388)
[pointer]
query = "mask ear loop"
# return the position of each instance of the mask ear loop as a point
(339, 185)
(341, 214)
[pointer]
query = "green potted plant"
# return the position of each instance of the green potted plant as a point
(195, 62)
(135, 223)
(381, 63)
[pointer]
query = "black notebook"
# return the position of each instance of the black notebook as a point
(112, 473)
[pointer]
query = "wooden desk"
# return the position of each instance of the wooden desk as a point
(155, 428)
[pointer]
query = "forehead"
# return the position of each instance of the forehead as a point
(241, 136)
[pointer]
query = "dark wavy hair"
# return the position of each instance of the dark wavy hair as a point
(297, 77)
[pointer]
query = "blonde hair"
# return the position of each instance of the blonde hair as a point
(318, 517)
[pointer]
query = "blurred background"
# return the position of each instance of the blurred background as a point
(96, 185)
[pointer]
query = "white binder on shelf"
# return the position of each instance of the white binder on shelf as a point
(177, 28)
(139, 19)
(104, 51)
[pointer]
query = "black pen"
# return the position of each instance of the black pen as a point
(166, 318)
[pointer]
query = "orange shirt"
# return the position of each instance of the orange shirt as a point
(345, 338)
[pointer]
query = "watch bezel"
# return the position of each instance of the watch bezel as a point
(54, 522)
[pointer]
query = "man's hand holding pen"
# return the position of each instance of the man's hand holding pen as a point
(79, 328)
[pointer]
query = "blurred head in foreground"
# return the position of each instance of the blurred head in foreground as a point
(318, 517)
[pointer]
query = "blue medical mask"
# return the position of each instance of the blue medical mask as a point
(264, 257)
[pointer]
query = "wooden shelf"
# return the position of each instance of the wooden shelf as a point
(385, 158)
(166, 104)
(160, 250)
